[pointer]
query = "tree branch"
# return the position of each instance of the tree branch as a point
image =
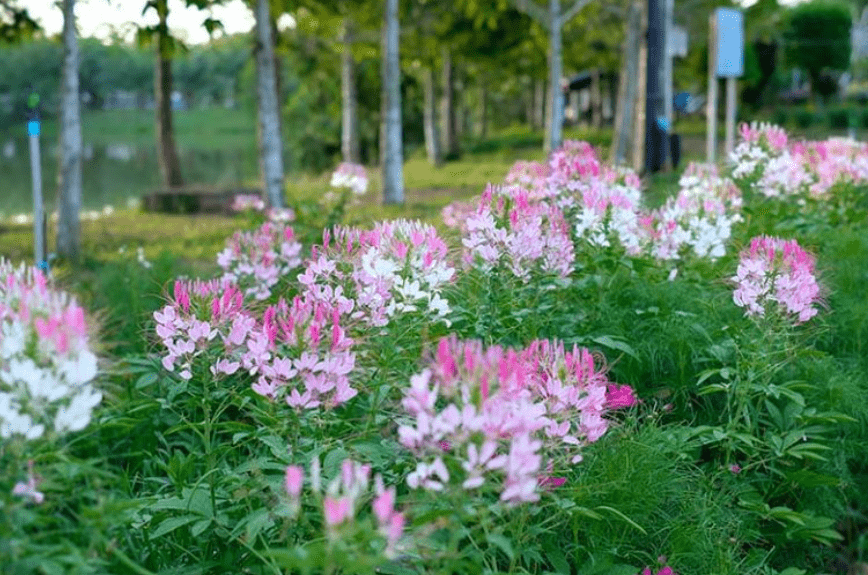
(533, 10)
(571, 12)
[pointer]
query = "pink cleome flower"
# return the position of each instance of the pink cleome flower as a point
(779, 273)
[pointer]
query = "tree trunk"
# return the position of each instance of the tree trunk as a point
(391, 144)
(270, 145)
(596, 101)
(641, 91)
(350, 101)
(554, 128)
(627, 83)
(529, 107)
(432, 142)
(69, 173)
(483, 111)
(539, 101)
(448, 116)
(167, 151)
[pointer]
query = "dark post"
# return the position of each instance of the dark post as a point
(656, 128)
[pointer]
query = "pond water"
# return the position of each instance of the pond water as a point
(116, 174)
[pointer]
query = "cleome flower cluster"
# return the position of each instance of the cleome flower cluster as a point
(576, 202)
(256, 261)
(776, 274)
(299, 350)
(510, 230)
(492, 415)
(342, 496)
(398, 267)
(46, 363)
(769, 163)
(351, 177)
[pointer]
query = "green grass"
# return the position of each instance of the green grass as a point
(208, 129)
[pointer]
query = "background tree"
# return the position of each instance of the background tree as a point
(165, 47)
(392, 155)
(553, 21)
(271, 147)
(69, 168)
(818, 38)
(15, 22)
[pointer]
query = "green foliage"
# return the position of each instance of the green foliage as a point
(818, 37)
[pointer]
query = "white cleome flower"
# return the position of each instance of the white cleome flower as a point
(77, 415)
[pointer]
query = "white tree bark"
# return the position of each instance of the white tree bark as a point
(449, 131)
(350, 104)
(391, 136)
(432, 141)
(271, 146)
(554, 128)
(69, 170)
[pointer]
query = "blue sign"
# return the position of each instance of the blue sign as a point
(663, 123)
(33, 127)
(730, 43)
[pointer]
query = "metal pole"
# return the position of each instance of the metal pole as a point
(711, 105)
(38, 221)
(730, 115)
(655, 150)
(667, 74)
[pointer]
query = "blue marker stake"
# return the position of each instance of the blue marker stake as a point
(33, 130)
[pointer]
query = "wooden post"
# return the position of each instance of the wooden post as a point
(711, 105)
(730, 115)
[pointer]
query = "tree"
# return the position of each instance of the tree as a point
(271, 147)
(553, 21)
(818, 38)
(69, 169)
(391, 140)
(164, 48)
(15, 22)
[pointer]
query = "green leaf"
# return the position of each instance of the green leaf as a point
(171, 524)
(200, 527)
(611, 342)
(622, 516)
(333, 460)
(502, 543)
(146, 380)
(810, 479)
(556, 557)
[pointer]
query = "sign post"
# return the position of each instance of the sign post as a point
(711, 103)
(33, 129)
(726, 60)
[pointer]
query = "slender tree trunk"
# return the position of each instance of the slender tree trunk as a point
(528, 102)
(167, 151)
(69, 173)
(641, 90)
(448, 116)
(555, 122)
(391, 144)
(596, 101)
(270, 145)
(432, 141)
(483, 110)
(625, 110)
(539, 101)
(350, 101)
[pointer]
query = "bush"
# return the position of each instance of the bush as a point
(806, 118)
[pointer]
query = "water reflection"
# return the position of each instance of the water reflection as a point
(122, 152)
(118, 174)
